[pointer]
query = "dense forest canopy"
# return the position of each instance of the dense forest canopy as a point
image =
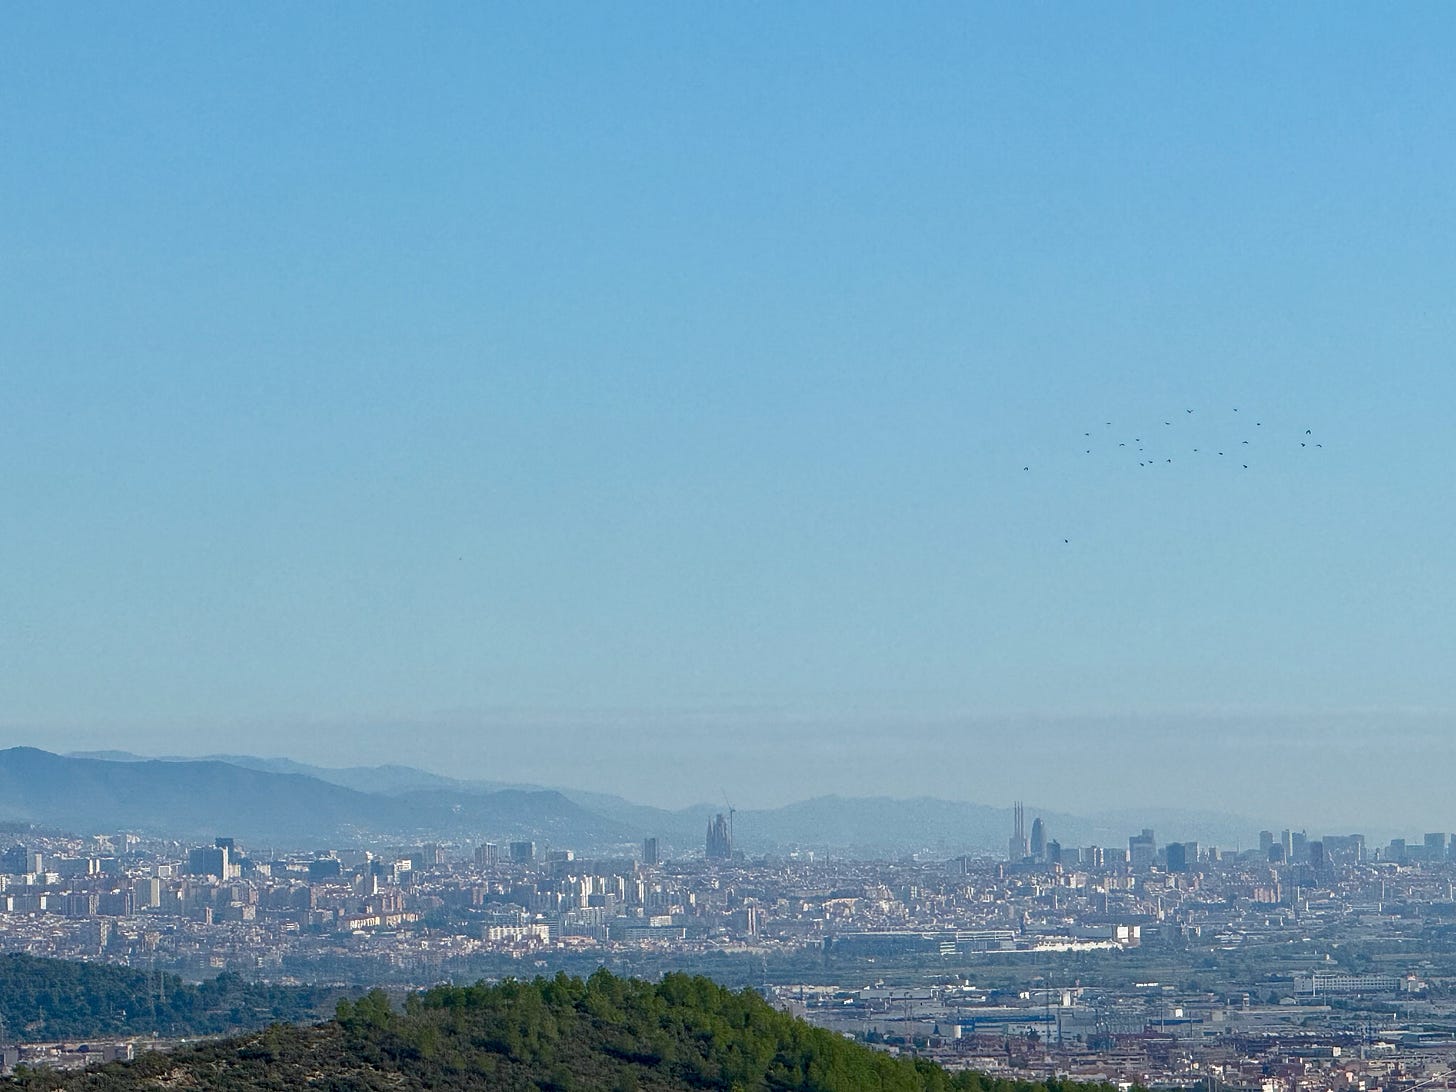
(44, 999)
(601, 1033)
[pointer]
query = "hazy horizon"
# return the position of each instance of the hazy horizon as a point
(1297, 771)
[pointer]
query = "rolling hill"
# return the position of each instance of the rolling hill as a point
(604, 1034)
(200, 799)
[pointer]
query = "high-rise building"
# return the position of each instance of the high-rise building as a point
(650, 855)
(523, 852)
(208, 861)
(147, 892)
(1177, 857)
(1038, 839)
(487, 855)
(1316, 855)
(1435, 847)
(720, 839)
(1142, 850)
(1266, 839)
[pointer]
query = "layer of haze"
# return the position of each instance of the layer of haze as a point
(638, 398)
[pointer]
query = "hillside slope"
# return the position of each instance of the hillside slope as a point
(43, 999)
(605, 1033)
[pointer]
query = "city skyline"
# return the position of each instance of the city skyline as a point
(1255, 764)
(875, 819)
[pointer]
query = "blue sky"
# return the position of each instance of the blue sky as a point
(639, 397)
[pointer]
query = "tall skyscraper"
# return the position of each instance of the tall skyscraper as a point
(720, 839)
(204, 861)
(1038, 839)
(1142, 850)
(650, 855)
(487, 855)
(1177, 857)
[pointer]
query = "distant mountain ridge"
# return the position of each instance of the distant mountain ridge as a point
(402, 800)
(388, 779)
(203, 798)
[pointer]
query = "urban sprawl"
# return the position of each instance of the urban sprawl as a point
(1305, 964)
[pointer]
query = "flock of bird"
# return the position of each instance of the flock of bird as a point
(1138, 448)
(1235, 437)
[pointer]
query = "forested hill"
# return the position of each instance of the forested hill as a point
(605, 1034)
(42, 999)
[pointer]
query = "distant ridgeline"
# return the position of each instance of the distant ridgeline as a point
(604, 1034)
(45, 999)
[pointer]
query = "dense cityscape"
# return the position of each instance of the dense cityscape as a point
(1305, 963)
